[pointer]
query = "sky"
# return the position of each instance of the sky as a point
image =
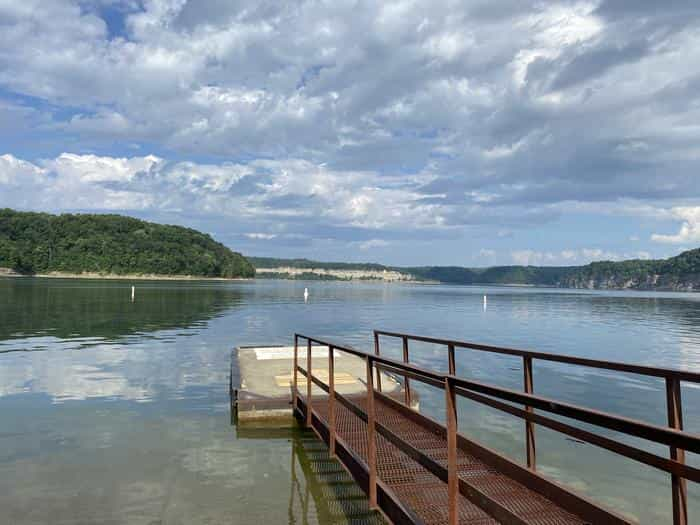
(461, 132)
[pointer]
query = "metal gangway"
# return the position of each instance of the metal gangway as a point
(416, 470)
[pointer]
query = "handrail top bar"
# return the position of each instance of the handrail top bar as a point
(632, 427)
(379, 359)
(683, 375)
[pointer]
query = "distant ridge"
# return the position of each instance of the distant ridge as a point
(679, 273)
(116, 245)
(41, 243)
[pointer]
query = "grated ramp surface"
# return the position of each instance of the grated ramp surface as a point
(421, 490)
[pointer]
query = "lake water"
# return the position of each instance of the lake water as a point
(118, 412)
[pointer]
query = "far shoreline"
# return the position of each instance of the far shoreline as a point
(8, 273)
(4, 272)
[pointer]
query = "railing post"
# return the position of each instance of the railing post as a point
(376, 352)
(452, 478)
(371, 439)
(331, 401)
(529, 425)
(407, 383)
(308, 383)
(295, 372)
(675, 421)
(451, 359)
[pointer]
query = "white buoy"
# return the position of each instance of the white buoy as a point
(485, 303)
(133, 293)
(306, 294)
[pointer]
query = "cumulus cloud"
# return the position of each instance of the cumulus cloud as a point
(17, 172)
(373, 243)
(263, 236)
(481, 85)
(690, 227)
(262, 190)
(20, 181)
(531, 257)
(572, 256)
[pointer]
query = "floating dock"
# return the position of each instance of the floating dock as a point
(262, 379)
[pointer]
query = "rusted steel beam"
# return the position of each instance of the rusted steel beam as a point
(452, 474)
(352, 407)
(296, 364)
(642, 456)
(679, 490)
(407, 381)
(376, 352)
(681, 375)
(376, 359)
(409, 374)
(451, 359)
(529, 425)
(331, 401)
(308, 383)
(371, 437)
(633, 427)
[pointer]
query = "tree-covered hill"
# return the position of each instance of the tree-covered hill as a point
(526, 275)
(111, 244)
(681, 272)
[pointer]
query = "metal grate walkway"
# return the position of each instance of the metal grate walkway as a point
(416, 470)
(421, 490)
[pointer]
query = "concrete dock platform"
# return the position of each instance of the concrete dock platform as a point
(262, 378)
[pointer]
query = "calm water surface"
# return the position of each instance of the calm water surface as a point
(118, 412)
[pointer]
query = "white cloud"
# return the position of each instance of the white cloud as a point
(261, 236)
(690, 227)
(552, 31)
(598, 254)
(572, 256)
(18, 172)
(290, 188)
(531, 257)
(373, 243)
(91, 168)
(305, 80)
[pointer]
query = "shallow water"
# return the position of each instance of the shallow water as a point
(118, 412)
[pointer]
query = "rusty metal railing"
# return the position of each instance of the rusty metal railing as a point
(673, 379)
(503, 399)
